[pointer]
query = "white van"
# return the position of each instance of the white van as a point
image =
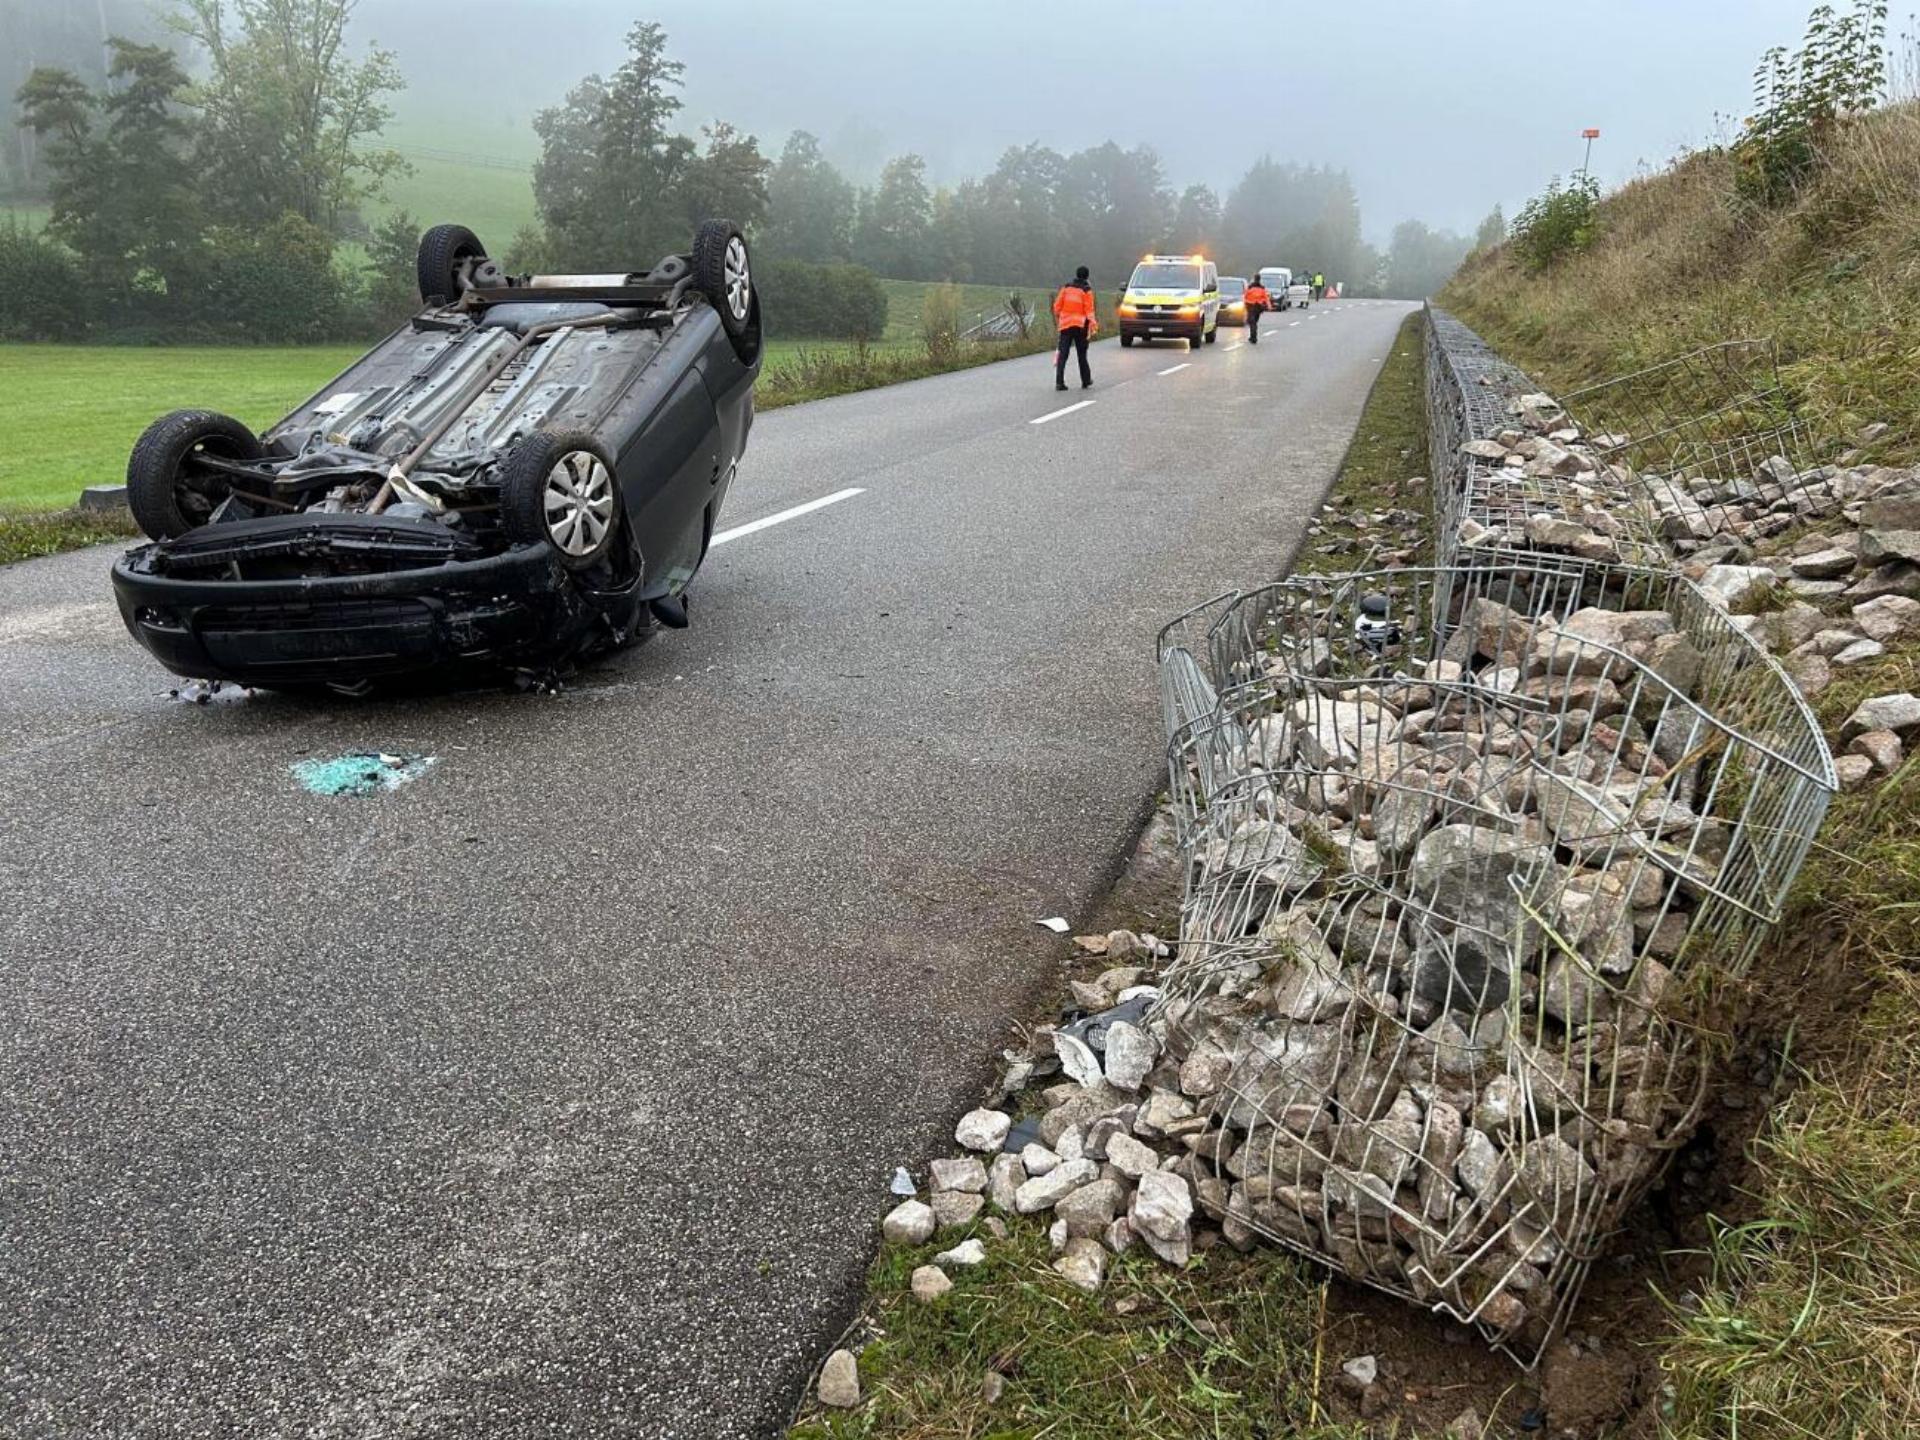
(1277, 279)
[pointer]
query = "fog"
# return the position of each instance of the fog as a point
(1439, 110)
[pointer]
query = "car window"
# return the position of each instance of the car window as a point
(1166, 276)
(1232, 287)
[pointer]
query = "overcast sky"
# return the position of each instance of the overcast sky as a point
(1438, 108)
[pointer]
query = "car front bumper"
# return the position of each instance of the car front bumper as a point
(516, 610)
(1164, 327)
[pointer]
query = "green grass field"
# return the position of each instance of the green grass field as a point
(74, 411)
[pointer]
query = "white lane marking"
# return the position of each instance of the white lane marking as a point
(1293, 325)
(1043, 419)
(1173, 368)
(766, 522)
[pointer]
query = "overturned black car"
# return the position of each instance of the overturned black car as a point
(528, 471)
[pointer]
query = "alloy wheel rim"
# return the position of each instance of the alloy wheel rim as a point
(579, 503)
(738, 282)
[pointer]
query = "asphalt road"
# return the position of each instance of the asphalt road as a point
(557, 1092)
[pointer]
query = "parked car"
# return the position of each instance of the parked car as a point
(1233, 300)
(1279, 282)
(529, 470)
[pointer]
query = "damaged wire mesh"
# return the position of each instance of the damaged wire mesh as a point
(1471, 853)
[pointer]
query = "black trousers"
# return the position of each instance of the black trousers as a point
(1253, 325)
(1074, 339)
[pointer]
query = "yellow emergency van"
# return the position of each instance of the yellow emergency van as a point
(1172, 297)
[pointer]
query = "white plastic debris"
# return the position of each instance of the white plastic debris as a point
(1077, 1058)
(902, 1182)
(1055, 924)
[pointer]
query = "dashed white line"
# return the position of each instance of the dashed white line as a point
(766, 522)
(1043, 419)
(1172, 368)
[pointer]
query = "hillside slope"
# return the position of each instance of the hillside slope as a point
(1681, 261)
(1790, 1304)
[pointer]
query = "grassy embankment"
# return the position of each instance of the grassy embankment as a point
(1810, 1322)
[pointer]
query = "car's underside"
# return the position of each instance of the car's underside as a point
(458, 494)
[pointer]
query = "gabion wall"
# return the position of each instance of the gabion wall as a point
(1471, 853)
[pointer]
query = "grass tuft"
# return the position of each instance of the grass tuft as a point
(28, 536)
(1221, 1349)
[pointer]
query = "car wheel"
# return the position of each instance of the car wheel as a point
(443, 250)
(724, 274)
(1126, 341)
(558, 488)
(167, 490)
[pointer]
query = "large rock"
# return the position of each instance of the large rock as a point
(1898, 713)
(1043, 1192)
(1824, 564)
(1469, 875)
(1891, 617)
(1728, 585)
(1281, 1066)
(952, 1208)
(1557, 1177)
(1091, 1208)
(983, 1130)
(1271, 854)
(929, 1283)
(1130, 1157)
(966, 1174)
(1571, 646)
(1131, 1052)
(1896, 577)
(1882, 546)
(1083, 1264)
(908, 1223)
(1461, 973)
(1162, 1207)
(1488, 631)
(1004, 1181)
(1588, 820)
(840, 1381)
(1335, 733)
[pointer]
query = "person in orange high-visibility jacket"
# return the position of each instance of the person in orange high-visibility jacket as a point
(1073, 308)
(1258, 301)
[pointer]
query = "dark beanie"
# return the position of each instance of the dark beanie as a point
(1081, 273)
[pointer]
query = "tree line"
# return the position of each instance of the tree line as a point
(209, 196)
(614, 169)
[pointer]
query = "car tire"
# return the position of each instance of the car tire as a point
(164, 493)
(1126, 341)
(443, 250)
(723, 272)
(559, 488)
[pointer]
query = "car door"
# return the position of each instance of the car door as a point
(676, 458)
(1210, 296)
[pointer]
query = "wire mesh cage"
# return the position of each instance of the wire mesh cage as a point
(1506, 460)
(1471, 852)
(1711, 428)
